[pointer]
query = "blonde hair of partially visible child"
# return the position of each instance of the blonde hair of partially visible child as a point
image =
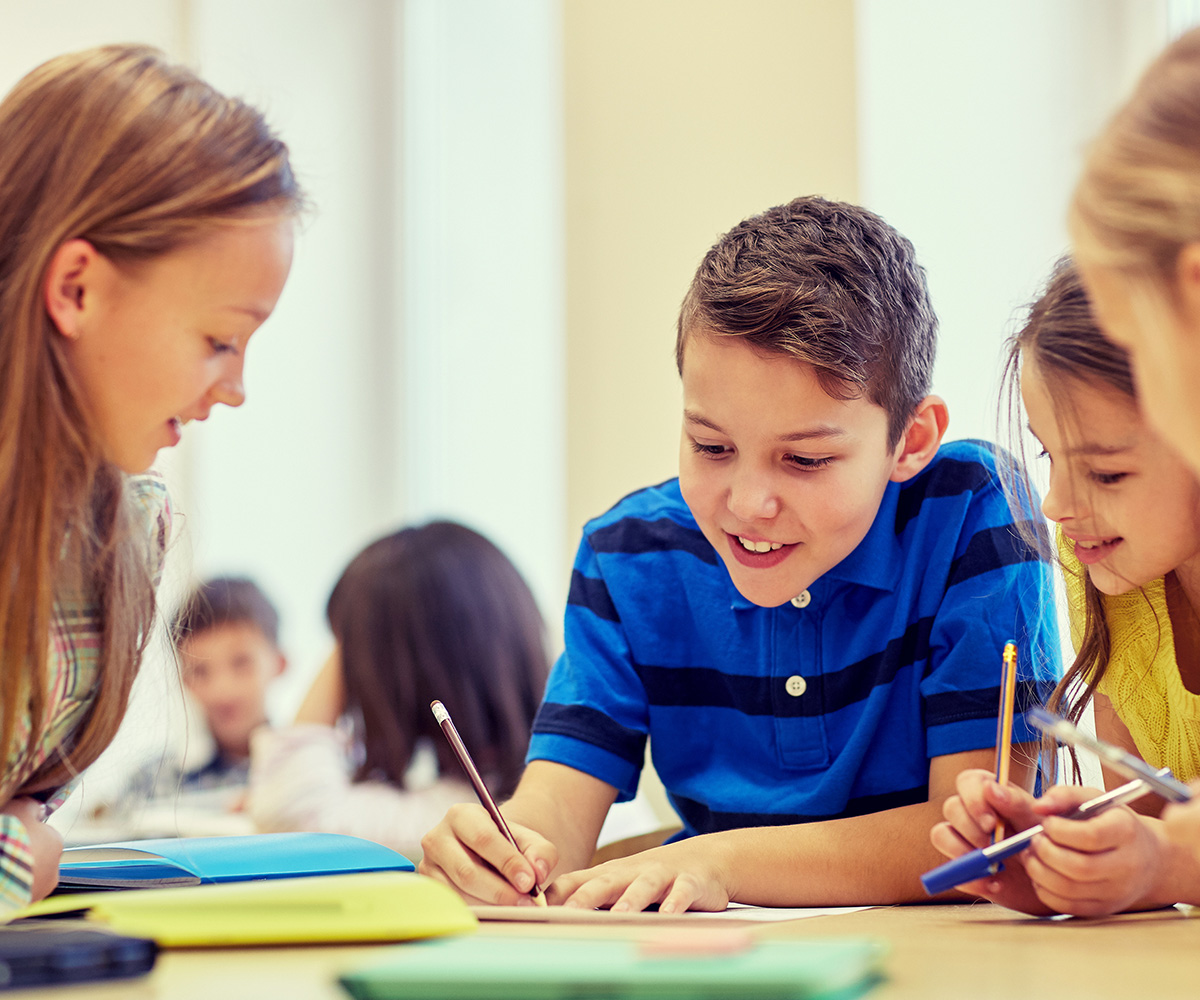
(1127, 511)
(1135, 225)
(145, 233)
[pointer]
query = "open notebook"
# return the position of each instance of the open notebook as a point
(146, 864)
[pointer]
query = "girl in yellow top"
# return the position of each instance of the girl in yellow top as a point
(1127, 513)
(145, 233)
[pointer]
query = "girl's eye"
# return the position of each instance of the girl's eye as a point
(809, 464)
(711, 450)
(1043, 453)
(1108, 478)
(221, 347)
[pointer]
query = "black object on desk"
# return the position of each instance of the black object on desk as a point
(42, 952)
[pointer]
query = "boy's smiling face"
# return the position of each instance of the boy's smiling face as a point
(783, 479)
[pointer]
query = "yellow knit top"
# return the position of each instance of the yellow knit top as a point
(1142, 680)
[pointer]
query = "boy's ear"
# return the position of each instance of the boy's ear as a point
(281, 664)
(921, 438)
(66, 287)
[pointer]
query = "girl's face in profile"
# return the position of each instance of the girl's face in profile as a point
(157, 344)
(1164, 348)
(1118, 491)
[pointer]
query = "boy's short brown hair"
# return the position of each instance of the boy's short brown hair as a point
(828, 284)
(225, 600)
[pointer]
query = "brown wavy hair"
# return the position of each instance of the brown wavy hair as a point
(138, 156)
(438, 611)
(830, 285)
(1061, 337)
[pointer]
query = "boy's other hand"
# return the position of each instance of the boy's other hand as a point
(45, 842)
(468, 852)
(677, 877)
(971, 815)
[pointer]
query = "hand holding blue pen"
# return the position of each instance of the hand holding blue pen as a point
(979, 863)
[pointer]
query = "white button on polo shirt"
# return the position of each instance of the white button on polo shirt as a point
(796, 685)
(801, 600)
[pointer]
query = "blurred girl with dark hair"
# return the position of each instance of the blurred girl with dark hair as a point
(435, 611)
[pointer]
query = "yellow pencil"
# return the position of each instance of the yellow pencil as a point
(1004, 723)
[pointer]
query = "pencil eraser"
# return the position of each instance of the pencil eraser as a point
(694, 942)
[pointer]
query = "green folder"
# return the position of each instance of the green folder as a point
(504, 968)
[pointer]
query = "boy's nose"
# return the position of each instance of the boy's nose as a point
(753, 498)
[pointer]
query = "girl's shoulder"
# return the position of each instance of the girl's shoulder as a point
(152, 506)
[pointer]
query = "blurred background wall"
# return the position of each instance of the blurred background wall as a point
(510, 197)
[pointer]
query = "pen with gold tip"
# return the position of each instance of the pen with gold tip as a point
(485, 797)
(1004, 723)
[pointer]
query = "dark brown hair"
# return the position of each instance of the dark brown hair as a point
(1061, 337)
(438, 611)
(138, 156)
(225, 600)
(830, 285)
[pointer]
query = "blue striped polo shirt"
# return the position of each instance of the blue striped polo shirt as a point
(766, 716)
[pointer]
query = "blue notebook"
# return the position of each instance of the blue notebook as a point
(146, 864)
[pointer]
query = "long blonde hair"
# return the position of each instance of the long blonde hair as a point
(1137, 202)
(138, 156)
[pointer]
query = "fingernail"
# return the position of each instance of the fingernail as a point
(526, 901)
(1002, 793)
(988, 823)
(524, 881)
(620, 907)
(543, 870)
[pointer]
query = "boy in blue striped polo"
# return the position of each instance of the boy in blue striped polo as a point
(807, 624)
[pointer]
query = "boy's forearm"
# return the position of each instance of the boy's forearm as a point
(862, 860)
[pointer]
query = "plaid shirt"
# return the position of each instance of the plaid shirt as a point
(73, 667)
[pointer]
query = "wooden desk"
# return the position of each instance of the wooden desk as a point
(973, 950)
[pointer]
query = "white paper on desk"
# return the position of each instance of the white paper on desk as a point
(736, 911)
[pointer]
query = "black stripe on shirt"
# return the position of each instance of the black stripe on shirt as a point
(981, 703)
(634, 536)
(590, 725)
(990, 549)
(588, 592)
(950, 477)
(702, 819)
(710, 687)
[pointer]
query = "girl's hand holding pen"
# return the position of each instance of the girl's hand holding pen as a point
(971, 814)
(1108, 863)
(467, 851)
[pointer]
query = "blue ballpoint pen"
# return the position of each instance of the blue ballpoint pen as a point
(977, 864)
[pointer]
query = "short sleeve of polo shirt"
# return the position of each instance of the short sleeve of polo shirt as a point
(595, 670)
(996, 589)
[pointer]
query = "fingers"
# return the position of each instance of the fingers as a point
(468, 852)
(978, 806)
(632, 885)
(1096, 866)
(1062, 799)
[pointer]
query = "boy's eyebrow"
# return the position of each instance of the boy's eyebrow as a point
(816, 431)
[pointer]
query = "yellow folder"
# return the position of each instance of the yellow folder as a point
(374, 906)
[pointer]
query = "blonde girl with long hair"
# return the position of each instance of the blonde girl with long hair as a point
(1126, 509)
(145, 234)
(1135, 228)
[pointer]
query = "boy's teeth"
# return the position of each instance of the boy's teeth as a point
(750, 546)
